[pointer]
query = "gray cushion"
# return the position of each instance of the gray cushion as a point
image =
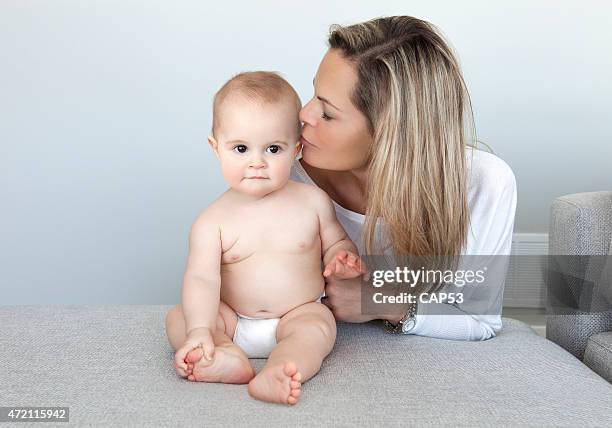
(598, 354)
(112, 366)
(581, 223)
(573, 331)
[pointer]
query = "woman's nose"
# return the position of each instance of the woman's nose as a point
(306, 114)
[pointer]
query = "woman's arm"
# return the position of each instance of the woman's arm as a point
(492, 210)
(454, 324)
(492, 213)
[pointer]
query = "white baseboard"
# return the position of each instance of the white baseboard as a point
(525, 287)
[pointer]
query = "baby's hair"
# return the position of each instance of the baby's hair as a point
(266, 87)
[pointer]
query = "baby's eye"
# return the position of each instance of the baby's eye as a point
(274, 149)
(240, 148)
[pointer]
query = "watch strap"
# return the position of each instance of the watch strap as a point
(409, 316)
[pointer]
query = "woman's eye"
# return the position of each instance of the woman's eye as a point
(241, 148)
(274, 149)
(324, 116)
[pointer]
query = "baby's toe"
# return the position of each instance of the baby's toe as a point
(290, 370)
(194, 356)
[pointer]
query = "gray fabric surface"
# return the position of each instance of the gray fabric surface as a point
(598, 354)
(581, 224)
(572, 331)
(112, 366)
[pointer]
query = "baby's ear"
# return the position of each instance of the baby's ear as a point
(214, 145)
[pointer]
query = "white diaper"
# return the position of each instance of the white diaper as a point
(257, 336)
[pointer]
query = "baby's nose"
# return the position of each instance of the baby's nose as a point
(257, 164)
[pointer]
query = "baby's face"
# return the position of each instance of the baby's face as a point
(256, 145)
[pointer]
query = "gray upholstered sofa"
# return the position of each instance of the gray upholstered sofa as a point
(580, 315)
(111, 365)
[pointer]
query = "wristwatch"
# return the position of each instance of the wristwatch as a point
(407, 323)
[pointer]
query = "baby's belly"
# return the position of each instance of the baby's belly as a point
(268, 285)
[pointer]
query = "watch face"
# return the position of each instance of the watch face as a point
(408, 325)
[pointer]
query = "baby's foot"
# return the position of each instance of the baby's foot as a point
(229, 365)
(277, 384)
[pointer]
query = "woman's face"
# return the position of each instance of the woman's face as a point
(335, 135)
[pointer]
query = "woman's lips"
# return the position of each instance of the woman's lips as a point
(305, 142)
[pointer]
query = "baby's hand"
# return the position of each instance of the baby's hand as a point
(346, 265)
(197, 338)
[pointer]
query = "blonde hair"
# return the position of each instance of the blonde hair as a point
(411, 90)
(266, 87)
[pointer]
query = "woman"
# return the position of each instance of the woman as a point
(386, 136)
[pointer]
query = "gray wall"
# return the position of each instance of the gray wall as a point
(105, 109)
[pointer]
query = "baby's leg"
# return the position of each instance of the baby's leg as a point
(229, 365)
(305, 336)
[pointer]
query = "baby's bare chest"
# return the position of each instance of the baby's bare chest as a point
(276, 231)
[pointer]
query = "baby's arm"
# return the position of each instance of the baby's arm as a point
(201, 286)
(340, 255)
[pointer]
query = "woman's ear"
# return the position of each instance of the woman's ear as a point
(214, 145)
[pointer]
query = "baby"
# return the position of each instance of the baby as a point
(253, 282)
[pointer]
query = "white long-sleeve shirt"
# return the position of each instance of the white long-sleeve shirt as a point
(492, 198)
